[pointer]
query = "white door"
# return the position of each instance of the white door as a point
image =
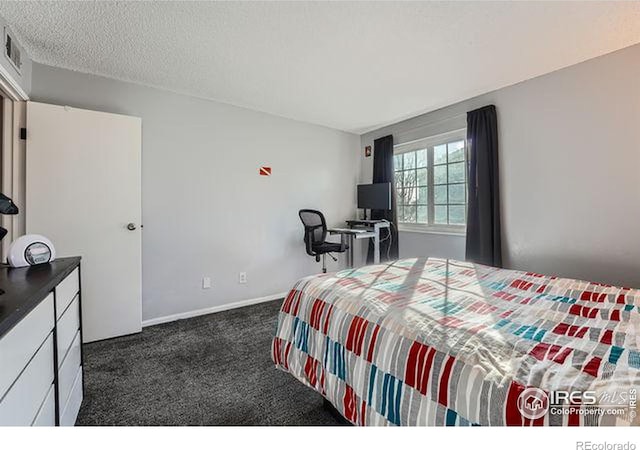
(83, 189)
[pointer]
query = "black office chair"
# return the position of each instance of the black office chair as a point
(315, 233)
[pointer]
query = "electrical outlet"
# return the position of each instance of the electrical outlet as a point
(206, 283)
(242, 277)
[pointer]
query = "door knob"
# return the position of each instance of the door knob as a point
(131, 226)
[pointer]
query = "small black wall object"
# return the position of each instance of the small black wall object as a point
(23, 134)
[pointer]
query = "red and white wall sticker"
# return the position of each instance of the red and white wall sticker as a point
(265, 171)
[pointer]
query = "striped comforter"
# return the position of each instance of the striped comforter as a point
(442, 342)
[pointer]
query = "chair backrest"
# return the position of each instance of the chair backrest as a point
(315, 227)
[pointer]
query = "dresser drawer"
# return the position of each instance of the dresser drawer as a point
(19, 345)
(21, 403)
(68, 370)
(66, 291)
(70, 412)
(47, 415)
(67, 328)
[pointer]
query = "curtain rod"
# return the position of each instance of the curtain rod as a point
(444, 119)
(431, 137)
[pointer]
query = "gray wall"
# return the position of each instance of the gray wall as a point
(206, 212)
(439, 245)
(570, 166)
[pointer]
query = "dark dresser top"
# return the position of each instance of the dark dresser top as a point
(25, 287)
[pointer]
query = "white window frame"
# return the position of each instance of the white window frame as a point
(429, 143)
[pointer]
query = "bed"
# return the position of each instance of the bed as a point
(427, 341)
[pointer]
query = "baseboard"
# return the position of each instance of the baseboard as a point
(213, 309)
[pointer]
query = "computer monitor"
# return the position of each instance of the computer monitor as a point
(374, 196)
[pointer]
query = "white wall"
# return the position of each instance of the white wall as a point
(206, 212)
(570, 166)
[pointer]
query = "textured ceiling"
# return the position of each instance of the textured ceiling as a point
(351, 66)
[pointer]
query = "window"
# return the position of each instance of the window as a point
(431, 183)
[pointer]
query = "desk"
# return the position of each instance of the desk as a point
(362, 229)
(41, 368)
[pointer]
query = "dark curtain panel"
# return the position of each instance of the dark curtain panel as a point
(383, 173)
(483, 214)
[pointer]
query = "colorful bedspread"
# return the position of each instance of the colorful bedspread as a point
(443, 342)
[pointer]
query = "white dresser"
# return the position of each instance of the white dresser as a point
(41, 372)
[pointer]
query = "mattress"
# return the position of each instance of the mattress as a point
(427, 341)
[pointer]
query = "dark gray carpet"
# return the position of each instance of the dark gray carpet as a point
(208, 370)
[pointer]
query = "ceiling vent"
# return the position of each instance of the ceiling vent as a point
(12, 51)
